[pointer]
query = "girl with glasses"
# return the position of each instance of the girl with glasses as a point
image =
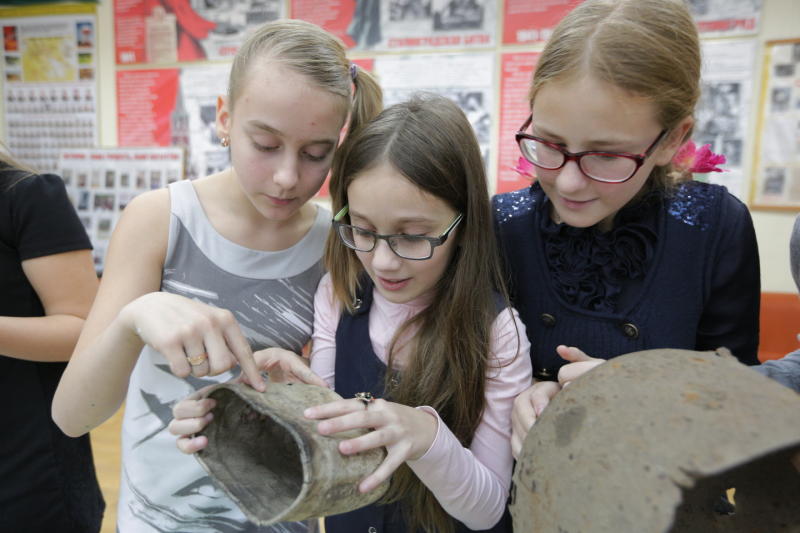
(217, 272)
(612, 250)
(412, 312)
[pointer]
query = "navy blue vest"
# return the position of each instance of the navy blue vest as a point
(358, 369)
(701, 291)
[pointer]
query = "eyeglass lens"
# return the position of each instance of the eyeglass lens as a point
(599, 166)
(407, 246)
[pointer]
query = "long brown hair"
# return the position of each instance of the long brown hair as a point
(430, 142)
(313, 52)
(647, 47)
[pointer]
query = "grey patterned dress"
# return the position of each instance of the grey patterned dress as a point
(272, 296)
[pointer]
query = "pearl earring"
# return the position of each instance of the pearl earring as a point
(225, 141)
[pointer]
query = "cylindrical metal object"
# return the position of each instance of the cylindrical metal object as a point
(274, 464)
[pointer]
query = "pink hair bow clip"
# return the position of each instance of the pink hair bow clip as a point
(698, 160)
(524, 168)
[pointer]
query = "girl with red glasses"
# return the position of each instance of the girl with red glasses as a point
(612, 250)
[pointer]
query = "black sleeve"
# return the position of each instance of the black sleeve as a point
(44, 222)
(731, 314)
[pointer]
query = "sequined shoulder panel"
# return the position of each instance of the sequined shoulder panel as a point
(692, 203)
(510, 205)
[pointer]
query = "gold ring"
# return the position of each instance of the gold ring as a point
(198, 359)
(365, 397)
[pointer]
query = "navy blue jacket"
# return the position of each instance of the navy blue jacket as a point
(701, 289)
(358, 369)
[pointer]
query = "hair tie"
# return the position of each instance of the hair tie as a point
(353, 71)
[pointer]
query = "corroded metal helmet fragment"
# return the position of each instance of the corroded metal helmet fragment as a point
(272, 461)
(651, 441)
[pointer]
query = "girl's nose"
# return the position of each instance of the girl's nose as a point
(287, 174)
(571, 179)
(383, 258)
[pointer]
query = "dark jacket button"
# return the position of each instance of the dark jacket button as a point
(630, 330)
(548, 319)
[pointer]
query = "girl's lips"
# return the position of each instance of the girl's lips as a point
(279, 201)
(393, 284)
(573, 204)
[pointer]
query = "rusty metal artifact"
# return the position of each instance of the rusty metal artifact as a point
(651, 441)
(272, 461)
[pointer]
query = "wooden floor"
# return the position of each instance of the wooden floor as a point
(105, 445)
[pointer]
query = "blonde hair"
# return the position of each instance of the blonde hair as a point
(313, 52)
(12, 175)
(647, 47)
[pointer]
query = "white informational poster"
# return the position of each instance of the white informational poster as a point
(779, 159)
(464, 78)
(197, 100)
(723, 110)
(102, 181)
(717, 18)
(49, 86)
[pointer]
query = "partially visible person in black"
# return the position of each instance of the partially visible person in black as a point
(47, 282)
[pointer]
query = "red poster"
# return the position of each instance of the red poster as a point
(525, 21)
(514, 109)
(155, 31)
(145, 104)
(333, 15)
(167, 31)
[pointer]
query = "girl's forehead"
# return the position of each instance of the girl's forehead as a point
(590, 104)
(384, 191)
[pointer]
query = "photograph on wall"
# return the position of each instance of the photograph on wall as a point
(515, 80)
(49, 86)
(403, 24)
(464, 78)
(722, 117)
(718, 18)
(166, 31)
(533, 22)
(101, 182)
(778, 168)
(174, 107)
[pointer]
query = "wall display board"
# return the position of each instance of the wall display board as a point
(777, 166)
(722, 114)
(532, 22)
(166, 31)
(174, 107)
(49, 85)
(403, 25)
(717, 18)
(464, 78)
(515, 79)
(101, 182)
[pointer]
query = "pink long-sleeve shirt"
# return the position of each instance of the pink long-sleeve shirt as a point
(471, 484)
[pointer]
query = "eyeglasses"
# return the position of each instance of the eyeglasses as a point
(415, 247)
(608, 167)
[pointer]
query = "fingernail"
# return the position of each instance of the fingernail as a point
(309, 413)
